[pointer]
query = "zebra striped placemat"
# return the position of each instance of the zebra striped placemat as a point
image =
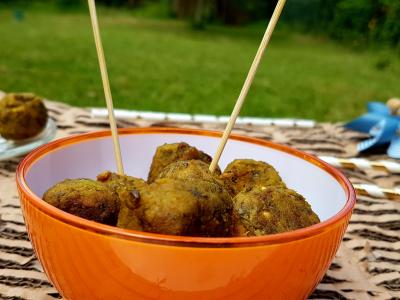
(367, 265)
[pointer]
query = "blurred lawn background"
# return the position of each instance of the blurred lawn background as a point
(165, 56)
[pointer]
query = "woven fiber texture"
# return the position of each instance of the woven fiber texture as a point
(367, 265)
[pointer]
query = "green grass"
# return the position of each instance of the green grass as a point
(164, 65)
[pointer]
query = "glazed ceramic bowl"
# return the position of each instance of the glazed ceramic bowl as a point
(87, 260)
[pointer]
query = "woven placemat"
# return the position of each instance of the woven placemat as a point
(367, 265)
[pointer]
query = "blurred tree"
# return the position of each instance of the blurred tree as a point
(68, 4)
(240, 12)
(357, 20)
(132, 3)
(183, 8)
(225, 11)
(198, 11)
(371, 20)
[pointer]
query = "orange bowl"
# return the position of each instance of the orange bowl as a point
(88, 260)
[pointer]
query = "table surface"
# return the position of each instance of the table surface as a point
(367, 265)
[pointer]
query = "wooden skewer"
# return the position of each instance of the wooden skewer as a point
(106, 86)
(362, 164)
(375, 191)
(247, 83)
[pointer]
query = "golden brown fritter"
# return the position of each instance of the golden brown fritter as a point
(214, 200)
(21, 116)
(215, 208)
(242, 173)
(267, 210)
(127, 189)
(168, 207)
(85, 198)
(169, 153)
(184, 198)
(189, 169)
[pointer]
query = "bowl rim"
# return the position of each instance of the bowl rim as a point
(188, 241)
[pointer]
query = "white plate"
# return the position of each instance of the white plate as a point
(10, 148)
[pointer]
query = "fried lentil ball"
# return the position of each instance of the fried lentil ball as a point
(189, 169)
(85, 198)
(21, 116)
(214, 200)
(169, 153)
(267, 210)
(127, 189)
(242, 173)
(215, 203)
(168, 207)
(215, 208)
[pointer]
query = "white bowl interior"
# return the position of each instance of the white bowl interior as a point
(87, 159)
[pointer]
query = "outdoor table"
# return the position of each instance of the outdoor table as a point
(367, 265)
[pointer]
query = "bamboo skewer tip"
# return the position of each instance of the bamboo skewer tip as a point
(246, 86)
(106, 86)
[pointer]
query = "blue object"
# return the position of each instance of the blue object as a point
(381, 125)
